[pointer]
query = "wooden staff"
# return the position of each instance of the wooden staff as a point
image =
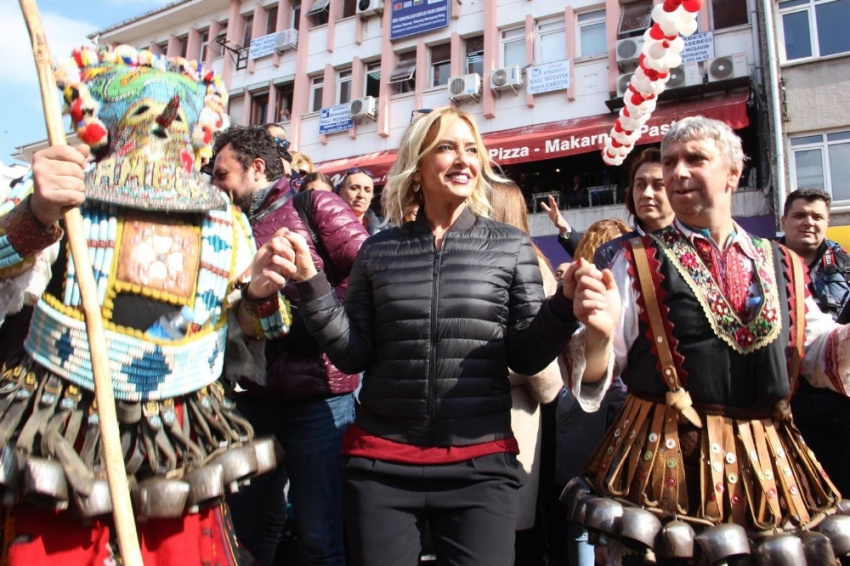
(116, 475)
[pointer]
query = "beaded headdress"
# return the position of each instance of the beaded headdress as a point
(149, 120)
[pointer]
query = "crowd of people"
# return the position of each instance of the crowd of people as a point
(423, 386)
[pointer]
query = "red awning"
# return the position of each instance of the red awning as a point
(566, 137)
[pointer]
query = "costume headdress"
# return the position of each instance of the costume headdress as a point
(150, 121)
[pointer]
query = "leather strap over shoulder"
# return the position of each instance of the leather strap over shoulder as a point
(782, 408)
(677, 397)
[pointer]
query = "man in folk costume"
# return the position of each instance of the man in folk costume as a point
(178, 284)
(710, 342)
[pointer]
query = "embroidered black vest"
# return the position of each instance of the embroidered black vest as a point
(720, 359)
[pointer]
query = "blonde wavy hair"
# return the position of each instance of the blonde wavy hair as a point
(420, 138)
(599, 232)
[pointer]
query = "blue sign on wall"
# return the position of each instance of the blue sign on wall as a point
(411, 17)
(335, 119)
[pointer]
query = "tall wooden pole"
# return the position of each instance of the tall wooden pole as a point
(116, 475)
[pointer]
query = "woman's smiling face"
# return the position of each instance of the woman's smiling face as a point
(449, 172)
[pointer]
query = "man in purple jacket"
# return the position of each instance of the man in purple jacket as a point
(308, 403)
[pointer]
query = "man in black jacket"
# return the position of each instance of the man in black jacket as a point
(823, 416)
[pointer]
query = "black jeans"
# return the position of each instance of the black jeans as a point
(471, 508)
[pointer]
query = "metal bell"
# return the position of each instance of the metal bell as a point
(206, 487)
(45, 483)
(160, 498)
(239, 464)
(844, 507)
(269, 454)
(782, 550)
(837, 528)
(580, 508)
(818, 548)
(10, 474)
(723, 541)
(575, 487)
(638, 528)
(676, 540)
(603, 515)
(99, 502)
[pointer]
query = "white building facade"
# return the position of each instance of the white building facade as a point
(813, 51)
(544, 79)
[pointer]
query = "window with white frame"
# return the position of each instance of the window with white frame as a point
(822, 161)
(318, 12)
(553, 41)
(474, 47)
(218, 49)
(372, 84)
(729, 13)
(403, 77)
(593, 39)
(814, 28)
(295, 15)
(513, 47)
(636, 17)
(344, 87)
(205, 44)
(248, 29)
(271, 20)
(441, 62)
(317, 91)
(259, 109)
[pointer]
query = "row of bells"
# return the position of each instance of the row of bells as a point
(642, 531)
(43, 481)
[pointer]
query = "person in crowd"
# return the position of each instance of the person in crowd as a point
(283, 144)
(307, 403)
(302, 164)
(578, 432)
(527, 392)
(823, 416)
(163, 360)
(600, 232)
(357, 189)
(316, 182)
(646, 202)
(710, 343)
(437, 311)
(567, 237)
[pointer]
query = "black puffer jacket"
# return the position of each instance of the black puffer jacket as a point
(435, 331)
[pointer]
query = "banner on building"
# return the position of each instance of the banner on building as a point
(698, 47)
(413, 17)
(335, 119)
(549, 77)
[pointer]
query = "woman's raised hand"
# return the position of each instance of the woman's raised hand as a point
(272, 266)
(596, 298)
(305, 268)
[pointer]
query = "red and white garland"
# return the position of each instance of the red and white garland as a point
(662, 47)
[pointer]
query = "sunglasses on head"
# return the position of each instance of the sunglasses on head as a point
(354, 171)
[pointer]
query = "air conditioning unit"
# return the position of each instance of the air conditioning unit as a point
(628, 52)
(286, 39)
(623, 83)
(465, 87)
(360, 108)
(684, 75)
(727, 67)
(368, 7)
(506, 78)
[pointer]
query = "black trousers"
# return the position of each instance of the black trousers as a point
(471, 508)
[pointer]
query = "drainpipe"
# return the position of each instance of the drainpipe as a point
(774, 106)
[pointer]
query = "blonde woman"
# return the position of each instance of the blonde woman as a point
(437, 310)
